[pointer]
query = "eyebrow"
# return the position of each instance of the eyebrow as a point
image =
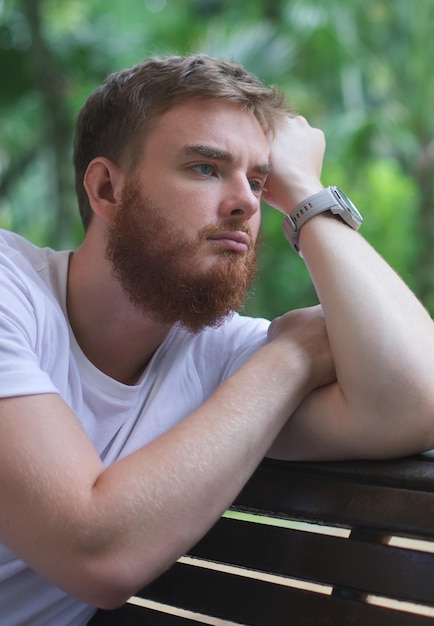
(221, 155)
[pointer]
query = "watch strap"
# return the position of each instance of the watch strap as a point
(317, 203)
(329, 199)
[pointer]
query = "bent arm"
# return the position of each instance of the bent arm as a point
(101, 534)
(382, 342)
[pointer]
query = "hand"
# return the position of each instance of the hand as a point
(306, 334)
(296, 159)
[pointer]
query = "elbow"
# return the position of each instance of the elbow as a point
(418, 422)
(111, 591)
(108, 594)
(108, 603)
(105, 593)
(100, 591)
(109, 600)
(106, 583)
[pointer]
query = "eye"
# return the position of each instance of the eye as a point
(205, 169)
(257, 186)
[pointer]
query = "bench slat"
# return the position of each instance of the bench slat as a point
(372, 499)
(372, 568)
(259, 603)
(130, 615)
(329, 496)
(414, 473)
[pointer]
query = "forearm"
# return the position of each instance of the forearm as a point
(179, 485)
(103, 533)
(381, 338)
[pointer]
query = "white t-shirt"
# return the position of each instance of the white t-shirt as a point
(39, 354)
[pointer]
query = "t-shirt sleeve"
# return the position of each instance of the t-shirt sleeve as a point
(219, 352)
(20, 337)
(247, 336)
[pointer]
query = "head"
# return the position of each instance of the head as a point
(117, 116)
(162, 270)
(161, 238)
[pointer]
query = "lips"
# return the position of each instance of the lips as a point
(235, 240)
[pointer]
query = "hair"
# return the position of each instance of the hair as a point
(116, 117)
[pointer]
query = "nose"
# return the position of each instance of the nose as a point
(239, 200)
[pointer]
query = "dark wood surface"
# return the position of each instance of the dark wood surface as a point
(374, 500)
(381, 495)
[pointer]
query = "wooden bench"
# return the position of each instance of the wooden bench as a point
(307, 544)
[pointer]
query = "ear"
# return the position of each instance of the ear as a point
(103, 182)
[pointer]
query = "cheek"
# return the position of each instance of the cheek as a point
(193, 212)
(255, 223)
(184, 201)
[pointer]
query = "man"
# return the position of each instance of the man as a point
(135, 403)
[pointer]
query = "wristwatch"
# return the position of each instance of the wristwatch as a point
(329, 199)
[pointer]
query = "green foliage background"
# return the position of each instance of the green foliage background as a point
(360, 70)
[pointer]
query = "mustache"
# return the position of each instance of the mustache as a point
(214, 229)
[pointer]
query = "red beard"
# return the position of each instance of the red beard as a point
(159, 269)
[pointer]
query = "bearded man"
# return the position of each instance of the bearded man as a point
(135, 400)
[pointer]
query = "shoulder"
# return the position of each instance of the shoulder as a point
(32, 324)
(29, 292)
(20, 252)
(34, 271)
(234, 332)
(241, 329)
(222, 349)
(24, 265)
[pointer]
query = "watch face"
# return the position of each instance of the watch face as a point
(346, 202)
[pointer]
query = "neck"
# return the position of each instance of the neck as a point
(117, 338)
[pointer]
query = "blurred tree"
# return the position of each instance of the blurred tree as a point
(387, 92)
(50, 82)
(360, 70)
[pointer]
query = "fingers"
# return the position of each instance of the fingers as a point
(305, 333)
(297, 318)
(296, 156)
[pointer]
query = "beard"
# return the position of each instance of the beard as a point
(160, 271)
